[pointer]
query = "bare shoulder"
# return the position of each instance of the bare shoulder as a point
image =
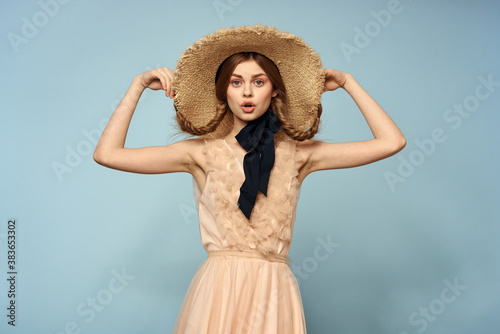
(303, 154)
(320, 155)
(306, 148)
(307, 145)
(198, 168)
(190, 153)
(194, 148)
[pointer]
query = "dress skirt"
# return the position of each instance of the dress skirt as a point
(236, 292)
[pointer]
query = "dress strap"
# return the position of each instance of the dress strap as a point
(250, 254)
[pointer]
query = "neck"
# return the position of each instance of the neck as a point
(238, 124)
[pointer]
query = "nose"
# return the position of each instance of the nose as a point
(247, 91)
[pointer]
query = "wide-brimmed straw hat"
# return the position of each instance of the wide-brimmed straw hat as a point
(299, 65)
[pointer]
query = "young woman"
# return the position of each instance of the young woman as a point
(252, 96)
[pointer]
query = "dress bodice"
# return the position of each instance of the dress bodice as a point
(223, 225)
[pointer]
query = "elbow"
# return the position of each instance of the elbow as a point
(106, 158)
(402, 143)
(394, 145)
(399, 144)
(99, 157)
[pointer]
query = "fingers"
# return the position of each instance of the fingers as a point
(166, 77)
(171, 79)
(334, 78)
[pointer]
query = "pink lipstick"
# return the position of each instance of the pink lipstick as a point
(247, 106)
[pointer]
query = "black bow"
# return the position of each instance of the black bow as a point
(257, 137)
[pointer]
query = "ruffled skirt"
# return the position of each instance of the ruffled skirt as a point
(232, 294)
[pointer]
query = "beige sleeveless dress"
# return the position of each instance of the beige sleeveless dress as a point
(246, 284)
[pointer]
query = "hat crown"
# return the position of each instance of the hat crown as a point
(299, 65)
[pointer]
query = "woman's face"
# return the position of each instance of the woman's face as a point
(249, 92)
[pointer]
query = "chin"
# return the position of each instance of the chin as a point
(252, 116)
(248, 119)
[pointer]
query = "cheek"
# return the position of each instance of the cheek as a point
(231, 95)
(268, 94)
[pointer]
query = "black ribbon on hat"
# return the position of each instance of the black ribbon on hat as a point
(257, 137)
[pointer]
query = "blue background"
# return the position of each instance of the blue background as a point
(405, 228)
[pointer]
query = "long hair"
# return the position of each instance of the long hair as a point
(278, 103)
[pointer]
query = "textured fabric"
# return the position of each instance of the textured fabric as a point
(257, 138)
(245, 285)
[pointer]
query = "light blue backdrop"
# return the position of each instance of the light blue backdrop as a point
(412, 241)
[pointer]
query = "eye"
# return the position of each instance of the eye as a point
(236, 83)
(259, 82)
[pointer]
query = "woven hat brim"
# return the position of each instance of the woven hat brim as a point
(299, 65)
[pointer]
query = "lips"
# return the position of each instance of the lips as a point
(247, 106)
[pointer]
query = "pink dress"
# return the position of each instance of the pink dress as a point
(246, 284)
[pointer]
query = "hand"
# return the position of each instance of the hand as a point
(160, 78)
(334, 79)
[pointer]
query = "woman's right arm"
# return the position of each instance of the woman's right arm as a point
(110, 150)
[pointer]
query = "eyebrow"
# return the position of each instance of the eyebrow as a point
(253, 76)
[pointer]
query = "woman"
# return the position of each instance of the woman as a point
(252, 95)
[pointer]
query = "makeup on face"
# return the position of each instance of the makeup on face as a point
(250, 91)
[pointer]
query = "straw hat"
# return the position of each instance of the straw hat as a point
(299, 65)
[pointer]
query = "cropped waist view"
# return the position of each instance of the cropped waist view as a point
(249, 254)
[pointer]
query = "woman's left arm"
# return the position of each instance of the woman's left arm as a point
(387, 141)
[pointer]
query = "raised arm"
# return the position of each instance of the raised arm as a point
(110, 150)
(387, 141)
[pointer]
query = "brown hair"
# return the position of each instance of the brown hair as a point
(278, 103)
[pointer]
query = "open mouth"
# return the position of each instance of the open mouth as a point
(248, 107)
